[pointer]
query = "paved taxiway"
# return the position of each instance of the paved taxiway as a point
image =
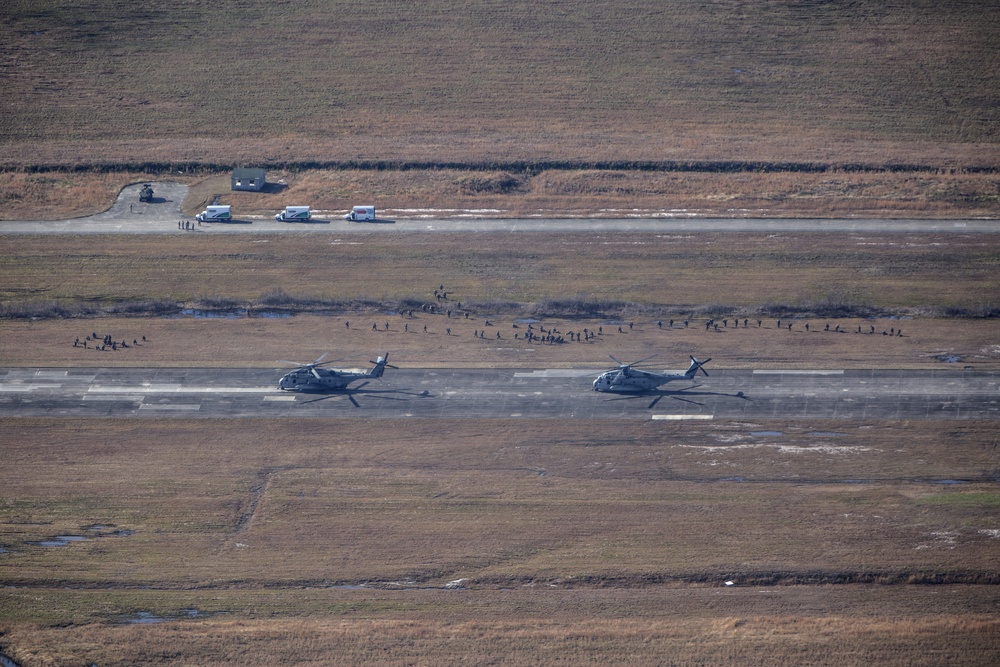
(503, 393)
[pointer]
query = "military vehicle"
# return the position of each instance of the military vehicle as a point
(311, 377)
(628, 378)
(146, 194)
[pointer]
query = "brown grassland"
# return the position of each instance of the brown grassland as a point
(672, 275)
(502, 542)
(334, 541)
(58, 288)
(239, 81)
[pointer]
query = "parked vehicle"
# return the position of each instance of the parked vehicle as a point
(294, 213)
(215, 213)
(361, 213)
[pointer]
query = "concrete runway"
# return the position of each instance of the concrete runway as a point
(503, 393)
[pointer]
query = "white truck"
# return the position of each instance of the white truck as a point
(361, 213)
(215, 213)
(294, 214)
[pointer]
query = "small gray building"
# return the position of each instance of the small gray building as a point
(246, 178)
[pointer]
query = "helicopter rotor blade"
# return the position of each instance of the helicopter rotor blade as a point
(331, 361)
(700, 365)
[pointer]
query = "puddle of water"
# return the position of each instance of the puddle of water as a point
(528, 320)
(236, 314)
(213, 314)
(60, 541)
(149, 618)
(949, 358)
(827, 434)
(144, 618)
(767, 434)
(949, 481)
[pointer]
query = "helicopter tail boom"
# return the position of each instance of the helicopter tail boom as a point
(380, 364)
(696, 366)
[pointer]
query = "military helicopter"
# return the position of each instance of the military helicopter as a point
(146, 194)
(628, 378)
(311, 377)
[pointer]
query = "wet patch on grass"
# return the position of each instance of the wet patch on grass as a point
(93, 532)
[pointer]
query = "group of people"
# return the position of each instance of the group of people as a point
(789, 326)
(106, 342)
(186, 224)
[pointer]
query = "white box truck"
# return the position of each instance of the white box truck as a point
(215, 213)
(293, 213)
(361, 213)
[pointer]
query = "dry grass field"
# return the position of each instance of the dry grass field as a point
(230, 82)
(260, 342)
(499, 541)
(657, 275)
(59, 288)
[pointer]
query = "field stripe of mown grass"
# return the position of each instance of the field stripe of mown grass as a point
(523, 80)
(737, 271)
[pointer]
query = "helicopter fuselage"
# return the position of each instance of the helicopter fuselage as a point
(310, 377)
(633, 380)
(322, 380)
(628, 378)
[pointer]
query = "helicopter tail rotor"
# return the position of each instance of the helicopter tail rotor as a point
(697, 366)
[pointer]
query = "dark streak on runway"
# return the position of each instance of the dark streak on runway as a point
(502, 393)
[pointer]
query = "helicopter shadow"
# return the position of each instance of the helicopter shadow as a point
(678, 395)
(350, 392)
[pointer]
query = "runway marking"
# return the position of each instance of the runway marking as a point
(14, 388)
(114, 397)
(177, 389)
(557, 373)
(765, 372)
(169, 406)
(680, 417)
(279, 398)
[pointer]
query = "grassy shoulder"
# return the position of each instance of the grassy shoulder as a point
(621, 276)
(707, 626)
(260, 342)
(437, 193)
